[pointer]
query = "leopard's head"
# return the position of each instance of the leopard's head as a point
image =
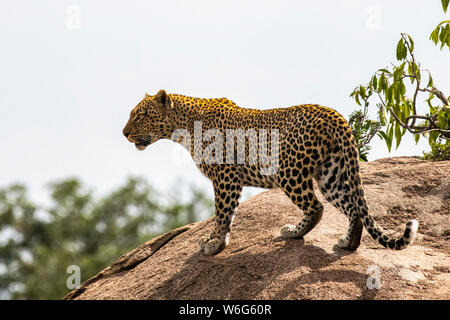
(149, 120)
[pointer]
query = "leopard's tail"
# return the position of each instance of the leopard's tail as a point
(378, 235)
(347, 144)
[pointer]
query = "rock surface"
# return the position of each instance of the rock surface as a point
(257, 264)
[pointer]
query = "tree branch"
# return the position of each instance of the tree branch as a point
(438, 94)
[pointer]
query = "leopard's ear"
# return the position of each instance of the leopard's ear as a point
(163, 102)
(146, 95)
(161, 97)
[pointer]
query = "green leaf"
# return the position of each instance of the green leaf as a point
(403, 111)
(433, 137)
(448, 39)
(417, 70)
(430, 80)
(362, 92)
(389, 137)
(443, 37)
(414, 69)
(381, 83)
(396, 109)
(357, 99)
(433, 110)
(416, 138)
(443, 118)
(434, 35)
(429, 103)
(402, 88)
(398, 72)
(386, 83)
(407, 108)
(411, 71)
(381, 116)
(389, 94)
(384, 71)
(444, 5)
(374, 82)
(382, 135)
(398, 135)
(400, 49)
(411, 43)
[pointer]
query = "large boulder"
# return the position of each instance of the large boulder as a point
(257, 264)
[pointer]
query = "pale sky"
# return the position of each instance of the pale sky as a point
(71, 71)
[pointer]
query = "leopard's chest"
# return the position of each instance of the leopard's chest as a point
(249, 175)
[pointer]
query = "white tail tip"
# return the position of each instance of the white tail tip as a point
(413, 232)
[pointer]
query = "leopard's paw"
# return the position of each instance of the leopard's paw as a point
(343, 243)
(203, 240)
(212, 246)
(289, 231)
(346, 244)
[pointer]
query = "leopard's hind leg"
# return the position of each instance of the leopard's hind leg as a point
(334, 185)
(297, 182)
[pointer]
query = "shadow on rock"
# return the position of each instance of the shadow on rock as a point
(246, 275)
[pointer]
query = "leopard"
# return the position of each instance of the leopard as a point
(309, 143)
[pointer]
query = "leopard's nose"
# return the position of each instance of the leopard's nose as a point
(126, 133)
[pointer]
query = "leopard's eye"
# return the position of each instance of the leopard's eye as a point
(139, 115)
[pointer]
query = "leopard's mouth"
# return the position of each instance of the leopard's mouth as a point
(141, 146)
(142, 142)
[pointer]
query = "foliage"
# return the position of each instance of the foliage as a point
(440, 151)
(38, 244)
(398, 108)
(363, 130)
(442, 31)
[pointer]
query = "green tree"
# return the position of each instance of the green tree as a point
(363, 130)
(38, 244)
(399, 101)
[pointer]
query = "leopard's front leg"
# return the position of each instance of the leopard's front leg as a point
(227, 193)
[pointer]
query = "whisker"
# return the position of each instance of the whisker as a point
(145, 138)
(139, 138)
